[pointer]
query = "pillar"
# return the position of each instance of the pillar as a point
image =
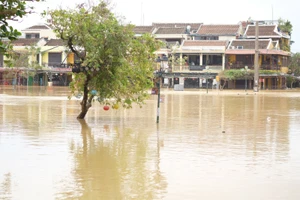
(201, 59)
(40, 59)
(223, 61)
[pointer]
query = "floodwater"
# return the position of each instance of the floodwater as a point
(225, 145)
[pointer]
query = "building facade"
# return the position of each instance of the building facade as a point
(196, 53)
(47, 60)
(205, 51)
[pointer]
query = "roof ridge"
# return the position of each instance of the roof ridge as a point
(220, 24)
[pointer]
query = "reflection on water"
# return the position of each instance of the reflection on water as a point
(220, 145)
(118, 169)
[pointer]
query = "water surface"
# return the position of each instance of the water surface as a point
(220, 145)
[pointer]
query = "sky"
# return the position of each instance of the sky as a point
(145, 12)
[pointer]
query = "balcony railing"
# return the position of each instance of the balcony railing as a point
(251, 66)
(238, 66)
(270, 67)
(195, 68)
(56, 65)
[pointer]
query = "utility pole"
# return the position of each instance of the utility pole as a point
(158, 97)
(256, 55)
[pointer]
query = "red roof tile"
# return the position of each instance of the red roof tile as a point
(194, 26)
(263, 30)
(25, 41)
(39, 27)
(250, 44)
(143, 29)
(170, 31)
(218, 29)
(55, 42)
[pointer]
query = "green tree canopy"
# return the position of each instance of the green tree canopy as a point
(123, 63)
(11, 10)
(285, 26)
(294, 66)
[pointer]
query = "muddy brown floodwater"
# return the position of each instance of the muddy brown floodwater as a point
(225, 145)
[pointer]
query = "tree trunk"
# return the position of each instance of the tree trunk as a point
(86, 102)
(84, 110)
(223, 85)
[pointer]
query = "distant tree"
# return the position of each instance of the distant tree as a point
(294, 66)
(232, 74)
(11, 10)
(23, 60)
(294, 69)
(285, 26)
(122, 63)
(235, 74)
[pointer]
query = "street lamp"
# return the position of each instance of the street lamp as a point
(162, 61)
(207, 68)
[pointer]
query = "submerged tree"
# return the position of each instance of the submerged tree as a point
(233, 74)
(121, 65)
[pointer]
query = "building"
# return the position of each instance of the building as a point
(204, 51)
(46, 63)
(197, 55)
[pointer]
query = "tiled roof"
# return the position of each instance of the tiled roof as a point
(204, 43)
(25, 41)
(252, 51)
(55, 42)
(171, 31)
(274, 52)
(250, 44)
(218, 29)
(143, 29)
(39, 27)
(194, 26)
(263, 30)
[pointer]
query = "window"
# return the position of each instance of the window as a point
(54, 59)
(32, 35)
(194, 59)
(212, 59)
(209, 38)
(245, 59)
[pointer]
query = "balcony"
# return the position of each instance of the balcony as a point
(269, 67)
(196, 68)
(56, 65)
(251, 66)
